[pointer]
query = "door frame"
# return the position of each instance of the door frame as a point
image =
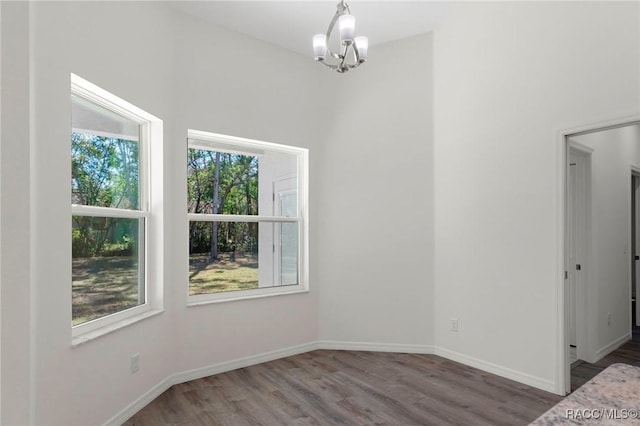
(562, 368)
(635, 246)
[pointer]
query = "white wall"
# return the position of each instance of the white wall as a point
(15, 292)
(509, 76)
(179, 70)
(610, 269)
(87, 384)
(376, 248)
(222, 91)
(189, 74)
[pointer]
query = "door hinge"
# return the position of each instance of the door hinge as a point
(578, 267)
(566, 275)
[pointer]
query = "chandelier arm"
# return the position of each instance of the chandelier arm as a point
(344, 64)
(343, 7)
(351, 66)
(329, 31)
(357, 53)
(331, 66)
(343, 57)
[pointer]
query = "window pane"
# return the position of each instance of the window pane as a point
(288, 254)
(230, 262)
(107, 275)
(226, 182)
(104, 171)
(227, 262)
(105, 158)
(88, 117)
(222, 183)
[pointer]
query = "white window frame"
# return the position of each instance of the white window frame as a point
(150, 199)
(224, 143)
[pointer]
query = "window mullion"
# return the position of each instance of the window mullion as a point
(82, 210)
(204, 217)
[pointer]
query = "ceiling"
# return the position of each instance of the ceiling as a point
(292, 24)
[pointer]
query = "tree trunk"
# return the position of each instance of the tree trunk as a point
(251, 227)
(216, 209)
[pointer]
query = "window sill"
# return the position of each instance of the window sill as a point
(199, 300)
(92, 335)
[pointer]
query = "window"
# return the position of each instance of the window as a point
(247, 211)
(110, 208)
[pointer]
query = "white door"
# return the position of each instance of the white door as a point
(572, 241)
(285, 235)
(578, 175)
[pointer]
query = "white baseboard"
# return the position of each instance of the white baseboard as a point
(607, 349)
(199, 373)
(139, 403)
(222, 367)
(340, 345)
(508, 373)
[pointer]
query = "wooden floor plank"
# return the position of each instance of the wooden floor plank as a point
(326, 387)
(629, 353)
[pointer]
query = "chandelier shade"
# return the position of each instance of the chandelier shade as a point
(347, 26)
(352, 50)
(320, 46)
(362, 44)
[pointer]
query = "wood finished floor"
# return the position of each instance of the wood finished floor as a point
(326, 387)
(629, 353)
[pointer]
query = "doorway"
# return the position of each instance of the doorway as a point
(599, 242)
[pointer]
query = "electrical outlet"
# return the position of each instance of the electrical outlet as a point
(454, 324)
(135, 363)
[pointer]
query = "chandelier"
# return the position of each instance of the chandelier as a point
(352, 50)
